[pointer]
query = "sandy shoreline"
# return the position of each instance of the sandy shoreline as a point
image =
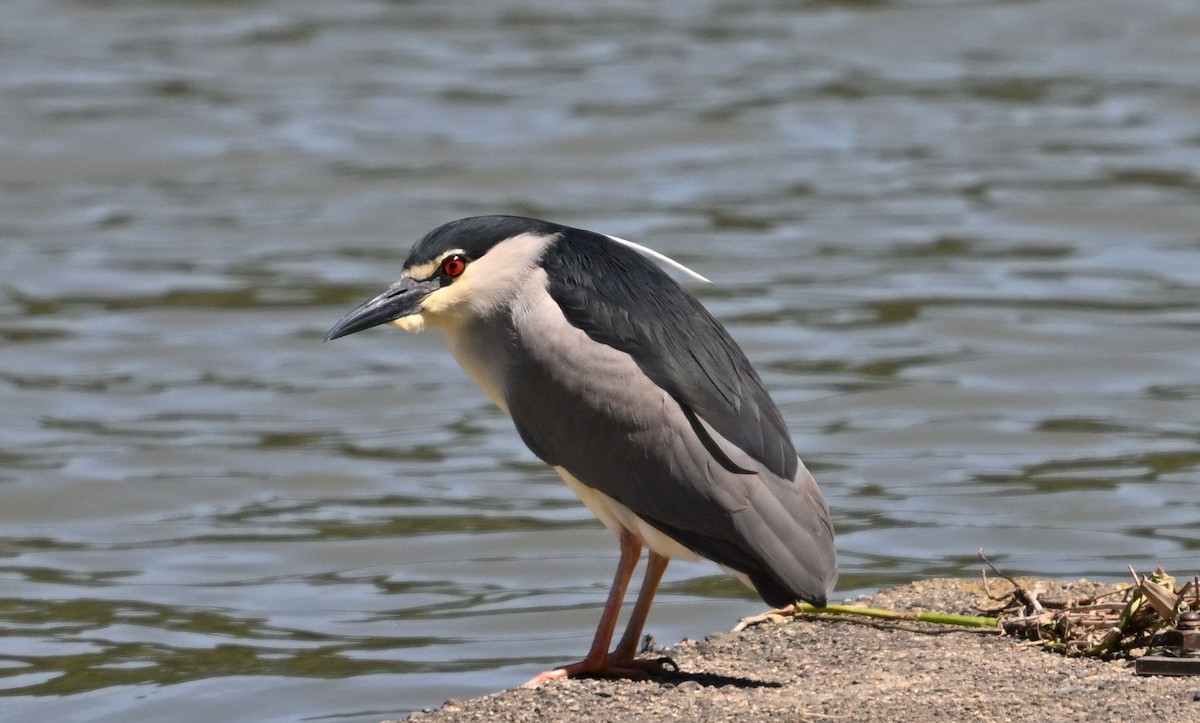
(820, 670)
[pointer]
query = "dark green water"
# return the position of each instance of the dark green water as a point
(961, 241)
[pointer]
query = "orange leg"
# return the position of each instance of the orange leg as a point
(596, 662)
(626, 650)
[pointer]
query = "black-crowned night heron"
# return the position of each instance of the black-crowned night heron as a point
(634, 393)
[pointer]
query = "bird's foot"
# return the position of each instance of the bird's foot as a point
(610, 667)
(649, 666)
(770, 616)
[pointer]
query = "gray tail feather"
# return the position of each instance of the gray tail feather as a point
(787, 524)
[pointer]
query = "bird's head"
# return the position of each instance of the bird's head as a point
(458, 272)
(468, 269)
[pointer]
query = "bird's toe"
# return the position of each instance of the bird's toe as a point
(610, 667)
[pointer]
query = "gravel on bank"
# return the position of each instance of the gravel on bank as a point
(857, 670)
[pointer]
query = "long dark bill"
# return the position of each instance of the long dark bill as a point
(401, 299)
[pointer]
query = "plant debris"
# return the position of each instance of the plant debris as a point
(1125, 621)
(1155, 620)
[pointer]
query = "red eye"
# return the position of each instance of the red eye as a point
(454, 265)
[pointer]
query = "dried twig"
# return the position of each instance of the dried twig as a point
(1097, 626)
(1030, 599)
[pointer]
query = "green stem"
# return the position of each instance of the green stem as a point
(970, 621)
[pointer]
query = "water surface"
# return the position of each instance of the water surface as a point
(959, 240)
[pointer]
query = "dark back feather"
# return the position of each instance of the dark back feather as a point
(620, 298)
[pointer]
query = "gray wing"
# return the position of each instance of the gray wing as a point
(663, 452)
(673, 339)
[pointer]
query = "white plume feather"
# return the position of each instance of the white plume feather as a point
(661, 258)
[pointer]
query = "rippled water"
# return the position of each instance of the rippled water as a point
(961, 241)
